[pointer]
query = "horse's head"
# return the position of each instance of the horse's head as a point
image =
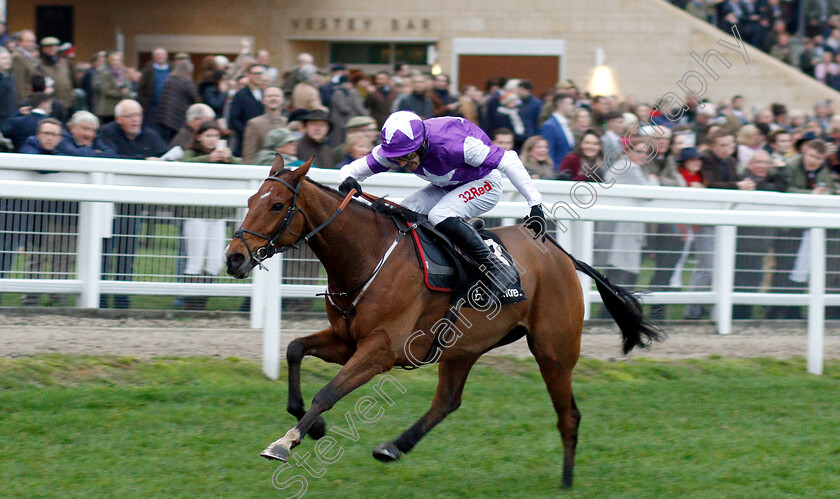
(273, 222)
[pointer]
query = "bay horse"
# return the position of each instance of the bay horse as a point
(377, 299)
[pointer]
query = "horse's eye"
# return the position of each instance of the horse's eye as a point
(277, 207)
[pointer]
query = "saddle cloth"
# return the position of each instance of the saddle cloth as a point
(445, 269)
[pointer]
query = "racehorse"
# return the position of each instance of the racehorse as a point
(377, 300)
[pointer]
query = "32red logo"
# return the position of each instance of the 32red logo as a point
(474, 192)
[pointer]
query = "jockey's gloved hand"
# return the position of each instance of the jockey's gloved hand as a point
(536, 222)
(348, 185)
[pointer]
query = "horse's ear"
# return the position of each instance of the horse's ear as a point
(301, 171)
(277, 166)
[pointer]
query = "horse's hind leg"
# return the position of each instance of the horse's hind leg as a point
(452, 376)
(558, 380)
(325, 345)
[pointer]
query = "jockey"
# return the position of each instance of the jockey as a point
(464, 170)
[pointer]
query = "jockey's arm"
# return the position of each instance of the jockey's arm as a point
(512, 166)
(358, 169)
(364, 167)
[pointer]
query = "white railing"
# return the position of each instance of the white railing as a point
(98, 183)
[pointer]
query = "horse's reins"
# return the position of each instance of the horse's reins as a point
(270, 249)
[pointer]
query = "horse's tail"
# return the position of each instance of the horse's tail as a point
(624, 307)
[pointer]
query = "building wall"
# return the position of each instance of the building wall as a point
(647, 43)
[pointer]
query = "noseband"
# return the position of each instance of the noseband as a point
(270, 249)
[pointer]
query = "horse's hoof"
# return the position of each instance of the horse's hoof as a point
(386, 452)
(319, 429)
(276, 453)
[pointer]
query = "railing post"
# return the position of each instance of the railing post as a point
(89, 248)
(258, 278)
(271, 316)
(816, 307)
(723, 275)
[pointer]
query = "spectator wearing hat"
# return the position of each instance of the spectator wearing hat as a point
(257, 128)
(557, 130)
(316, 127)
(25, 63)
(418, 101)
(8, 97)
(152, 80)
(58, 69)
(346, 104)
(178, 94)
(380, 98)
(280, 141)
(364, 125)
(295, 124)
(113, 87)
(247, 104)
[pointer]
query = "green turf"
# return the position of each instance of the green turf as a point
(107, 426)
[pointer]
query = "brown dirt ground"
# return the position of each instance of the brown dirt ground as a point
(25, 332)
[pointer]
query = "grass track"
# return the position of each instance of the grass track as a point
(108, 426)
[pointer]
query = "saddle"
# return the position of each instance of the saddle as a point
(446, 270)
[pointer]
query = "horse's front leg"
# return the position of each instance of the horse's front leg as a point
(373, 356)
(325, 345)
(452, 375)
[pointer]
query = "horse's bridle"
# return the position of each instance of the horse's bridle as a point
(270, 249)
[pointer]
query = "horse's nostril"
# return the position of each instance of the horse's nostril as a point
(235, 260)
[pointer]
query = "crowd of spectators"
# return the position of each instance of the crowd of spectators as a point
(246, 111)
(802, 33)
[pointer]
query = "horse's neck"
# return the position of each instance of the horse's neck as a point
(350, 246)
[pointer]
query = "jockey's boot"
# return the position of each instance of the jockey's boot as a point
(467, 239)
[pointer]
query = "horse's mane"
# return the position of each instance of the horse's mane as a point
(379, 206)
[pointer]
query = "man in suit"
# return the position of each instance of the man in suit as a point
(556, 129)
(719, 166)
(247, 104)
